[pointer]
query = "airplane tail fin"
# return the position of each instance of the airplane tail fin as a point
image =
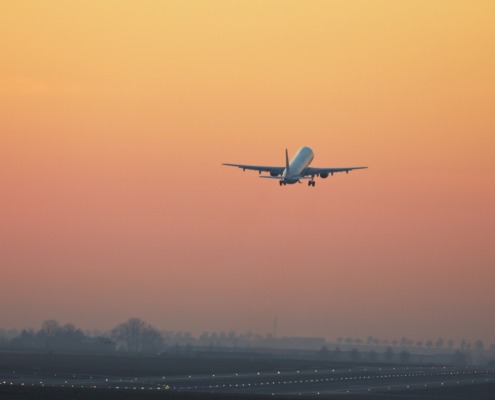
(286, 160)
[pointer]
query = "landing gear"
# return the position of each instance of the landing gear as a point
(281, 183)
(311, 183)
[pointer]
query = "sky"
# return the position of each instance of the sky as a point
(115, 117)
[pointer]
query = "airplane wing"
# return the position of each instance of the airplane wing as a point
(331, 171)
(272, 170)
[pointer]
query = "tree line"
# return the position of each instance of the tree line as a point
(138, 336)
(429, 344)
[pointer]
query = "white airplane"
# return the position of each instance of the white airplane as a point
(295, 170)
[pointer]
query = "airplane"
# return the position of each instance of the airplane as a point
(295, 170)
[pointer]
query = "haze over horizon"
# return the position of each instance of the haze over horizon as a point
(115, 118)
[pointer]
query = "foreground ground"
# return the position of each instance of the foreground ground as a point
(64, 377)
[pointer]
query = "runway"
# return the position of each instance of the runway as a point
(308, 382)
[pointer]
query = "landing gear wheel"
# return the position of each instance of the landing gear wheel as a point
(281, 183)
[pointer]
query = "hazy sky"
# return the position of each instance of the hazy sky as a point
(115, 117)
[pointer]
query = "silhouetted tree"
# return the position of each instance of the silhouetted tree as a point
(72, 333)
(419, 343)
(26, 339)
(136, 335)
(47, 335)
(152, 340)
(439, 343)
(429, 344)
(50, 327)
(450, 344)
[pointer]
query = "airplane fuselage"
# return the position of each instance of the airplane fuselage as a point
(297, 165)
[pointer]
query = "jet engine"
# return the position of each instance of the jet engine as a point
(273, 174)
(324, 175)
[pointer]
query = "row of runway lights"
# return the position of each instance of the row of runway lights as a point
(273, 393)
(322, 380)
(470, 370)
(239, 386)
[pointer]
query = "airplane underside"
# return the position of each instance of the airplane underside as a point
(291, 181)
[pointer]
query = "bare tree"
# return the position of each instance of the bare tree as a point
(48, 333)
(50, 327)
(152, 340)
(135, 335)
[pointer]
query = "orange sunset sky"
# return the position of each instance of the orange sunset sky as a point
(115, 117)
